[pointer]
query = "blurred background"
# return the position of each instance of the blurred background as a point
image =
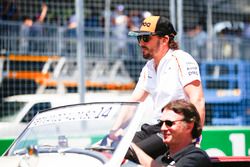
(81, 47)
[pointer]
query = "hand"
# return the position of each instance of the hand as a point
(114, 134)
(106, 141)
(44, 6)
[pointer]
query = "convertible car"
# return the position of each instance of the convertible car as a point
(75, 135)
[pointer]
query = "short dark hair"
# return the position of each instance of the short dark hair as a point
(190, 113)
(26, 18)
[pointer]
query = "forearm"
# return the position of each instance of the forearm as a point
(137, 96)
(195, 94)
(144, 159)
(199, 103)
(43, 13)
(126, 114)
(123, 118)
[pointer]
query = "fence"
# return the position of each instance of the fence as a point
(39, 46)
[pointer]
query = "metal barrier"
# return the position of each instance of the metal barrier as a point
(225, 88)
(60, 41)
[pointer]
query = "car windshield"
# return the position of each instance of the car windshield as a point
(9, 110)
(79, 126)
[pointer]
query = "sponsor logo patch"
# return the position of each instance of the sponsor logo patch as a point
(146, 24)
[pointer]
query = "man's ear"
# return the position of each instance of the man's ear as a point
(166, 39)
(190, 126)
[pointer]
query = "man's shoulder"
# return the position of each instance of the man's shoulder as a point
(181, 54)
(183, 57)
(192, 150)
(194, 156)
(197, 153)
(198, 150)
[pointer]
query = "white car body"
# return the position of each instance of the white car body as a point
(62, 136)
(11, 128)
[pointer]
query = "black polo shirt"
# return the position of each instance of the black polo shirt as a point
(190, 156)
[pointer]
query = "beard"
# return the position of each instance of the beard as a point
(146, 53)
(147, 56)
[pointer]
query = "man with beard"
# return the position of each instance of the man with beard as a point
(169, 74)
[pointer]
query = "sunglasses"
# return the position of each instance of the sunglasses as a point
(168, 122)
(145, 38)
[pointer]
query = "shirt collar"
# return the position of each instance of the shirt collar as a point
(166, 57)
(182, 152)
(171, 160)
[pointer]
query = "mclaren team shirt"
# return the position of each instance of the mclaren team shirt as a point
(166, 83)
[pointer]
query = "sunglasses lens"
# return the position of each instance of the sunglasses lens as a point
(145, 38)
(167, 123)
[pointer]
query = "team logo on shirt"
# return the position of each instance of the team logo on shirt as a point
(192, 69)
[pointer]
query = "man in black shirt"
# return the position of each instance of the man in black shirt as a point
(180, 126)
